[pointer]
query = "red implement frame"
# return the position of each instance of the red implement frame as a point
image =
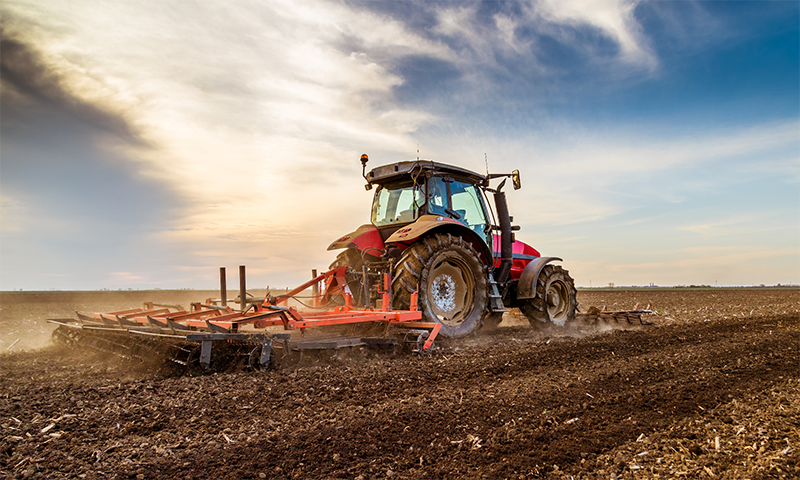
(269, 313)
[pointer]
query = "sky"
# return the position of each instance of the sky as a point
(145, 144)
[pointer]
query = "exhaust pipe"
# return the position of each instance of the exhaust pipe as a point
(506, 237)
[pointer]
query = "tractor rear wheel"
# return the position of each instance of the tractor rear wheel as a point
(452, 283)
(555, 302)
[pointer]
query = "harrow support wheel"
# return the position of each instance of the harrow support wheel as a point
(555, 302)
(452, 283)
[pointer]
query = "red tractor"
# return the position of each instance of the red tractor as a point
(435, 256)
(433, 231)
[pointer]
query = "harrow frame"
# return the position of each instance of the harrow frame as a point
(188, 337)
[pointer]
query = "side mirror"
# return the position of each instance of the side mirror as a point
(515, 180)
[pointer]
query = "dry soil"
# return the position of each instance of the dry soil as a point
(710, 390)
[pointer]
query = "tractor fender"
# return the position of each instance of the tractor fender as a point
(423, 225)
(429, 223)
(526, 287)
(366, 238)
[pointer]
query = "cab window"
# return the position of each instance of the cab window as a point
(396, 202)
(466, 202)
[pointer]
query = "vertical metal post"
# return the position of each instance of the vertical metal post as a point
(242, 288)
(314, 289)
(387, 299)
(223, 287)
(365, 286)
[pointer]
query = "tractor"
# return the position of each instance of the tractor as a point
(434, 259)
(432, 230)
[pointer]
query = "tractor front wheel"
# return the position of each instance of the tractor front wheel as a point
(452, 283)
(555, 301)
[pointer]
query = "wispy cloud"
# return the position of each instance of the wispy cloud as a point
(720, 227)
(614, 19)
(527, 43)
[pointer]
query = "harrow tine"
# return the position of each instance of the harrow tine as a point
(155, 323)
(124, 322)
(173, 325)
(216, 328)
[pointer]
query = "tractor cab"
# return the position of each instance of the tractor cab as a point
(407, 191)
(414, 198)
(434, 192)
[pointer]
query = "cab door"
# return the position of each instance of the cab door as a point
(465, 204)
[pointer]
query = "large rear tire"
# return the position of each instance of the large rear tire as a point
(452, 283)
(555, 302)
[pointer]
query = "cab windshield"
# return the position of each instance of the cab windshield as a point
(397, 202)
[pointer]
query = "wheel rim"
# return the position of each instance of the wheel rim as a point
(557, 301)
(450, 290)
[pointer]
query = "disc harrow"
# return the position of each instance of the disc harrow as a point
(212, 337)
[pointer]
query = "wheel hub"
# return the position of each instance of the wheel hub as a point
(553, 299)
(443, 293)
(557, 301)
(450, 291)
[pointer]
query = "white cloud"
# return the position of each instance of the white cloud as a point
(614, 18)
(476, 44)
(235, 99)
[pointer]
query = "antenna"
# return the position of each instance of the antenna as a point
(486, 159)
(418, 152)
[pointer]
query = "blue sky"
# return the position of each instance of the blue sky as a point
(144, 144)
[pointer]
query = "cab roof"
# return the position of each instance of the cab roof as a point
(399, 170)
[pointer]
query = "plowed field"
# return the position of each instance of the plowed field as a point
(711, 390)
